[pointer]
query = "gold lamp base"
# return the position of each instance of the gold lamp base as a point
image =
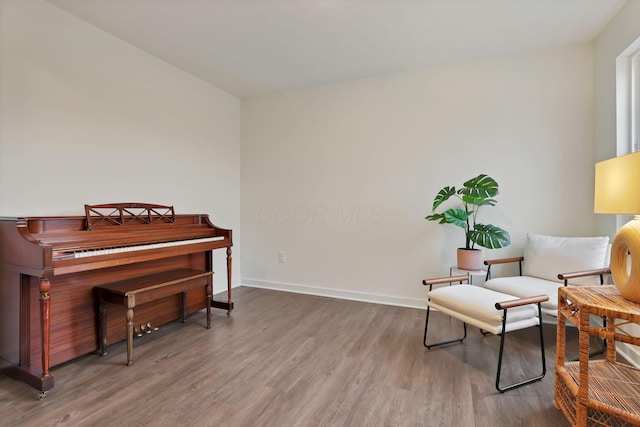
(625, 260)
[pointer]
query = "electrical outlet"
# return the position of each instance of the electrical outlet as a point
(282, 257)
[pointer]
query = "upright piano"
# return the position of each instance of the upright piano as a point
(49, 266)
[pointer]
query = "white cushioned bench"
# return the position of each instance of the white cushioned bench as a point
(491, 311)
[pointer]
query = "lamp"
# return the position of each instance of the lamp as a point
(617, 191)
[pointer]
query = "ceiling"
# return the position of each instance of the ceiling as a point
(252, 47)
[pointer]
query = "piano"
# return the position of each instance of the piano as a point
(49, 266)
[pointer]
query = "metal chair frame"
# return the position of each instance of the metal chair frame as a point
(502, 339)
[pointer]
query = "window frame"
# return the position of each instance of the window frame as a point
(634, 95)
(628, 100)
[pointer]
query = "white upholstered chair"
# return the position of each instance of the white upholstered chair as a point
(550, 262)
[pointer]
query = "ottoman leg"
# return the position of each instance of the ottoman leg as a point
(426, 326)
(527, 381)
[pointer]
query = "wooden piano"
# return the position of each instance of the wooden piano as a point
(49, 266)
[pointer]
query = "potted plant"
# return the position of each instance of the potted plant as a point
(475, 193)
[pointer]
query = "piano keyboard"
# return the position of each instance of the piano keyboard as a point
(121, 249)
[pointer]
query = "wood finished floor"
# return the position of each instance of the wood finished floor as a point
(284, 359)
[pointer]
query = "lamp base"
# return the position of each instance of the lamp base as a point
(625, 253)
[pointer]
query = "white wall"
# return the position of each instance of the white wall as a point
(88, 118)
(623, 30)
(340, 177)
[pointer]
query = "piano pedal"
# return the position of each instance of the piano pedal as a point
(150, 328)
(143, 329)
(136, 332)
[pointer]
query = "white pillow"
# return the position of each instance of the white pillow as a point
(547, 256)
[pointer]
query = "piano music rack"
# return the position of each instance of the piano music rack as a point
(127, 214)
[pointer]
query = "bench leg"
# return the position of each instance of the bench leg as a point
(209, 291)
(426, 326)
(502, 336)
(183, 299)
(102, 328)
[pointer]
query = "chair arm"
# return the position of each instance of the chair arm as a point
(490, 262)
(586, 273)
(521, 301)
(503, 260)
(448, 279)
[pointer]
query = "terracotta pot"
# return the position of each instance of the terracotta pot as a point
(470, 259)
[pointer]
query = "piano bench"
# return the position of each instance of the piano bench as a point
(144, 289)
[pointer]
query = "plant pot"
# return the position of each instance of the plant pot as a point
(470, 259)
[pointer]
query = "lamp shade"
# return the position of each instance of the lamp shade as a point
(617, 185)
(617, 191)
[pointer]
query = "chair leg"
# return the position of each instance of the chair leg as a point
(527, 381)
(602, 349)
(604, 341)
(426, 326)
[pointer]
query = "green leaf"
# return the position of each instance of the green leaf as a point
(479, 189)
(457, 217)
(489, 236)
(436, 217)
(442, 196)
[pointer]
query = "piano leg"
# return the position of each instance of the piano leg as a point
(131, 303)
(228, 304)
(229, 299)
(37, 377)
(45, 324)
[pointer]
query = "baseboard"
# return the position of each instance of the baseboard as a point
(336, 293)
(220, 287)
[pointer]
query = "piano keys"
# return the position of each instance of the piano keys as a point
(84, 253)
(49, 266)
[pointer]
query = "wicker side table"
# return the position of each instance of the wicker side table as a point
(597, 392)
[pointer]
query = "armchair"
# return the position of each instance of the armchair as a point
(550, 262)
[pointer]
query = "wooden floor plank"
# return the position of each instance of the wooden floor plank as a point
(284, 359)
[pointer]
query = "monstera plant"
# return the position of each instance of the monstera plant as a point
(474, 194)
